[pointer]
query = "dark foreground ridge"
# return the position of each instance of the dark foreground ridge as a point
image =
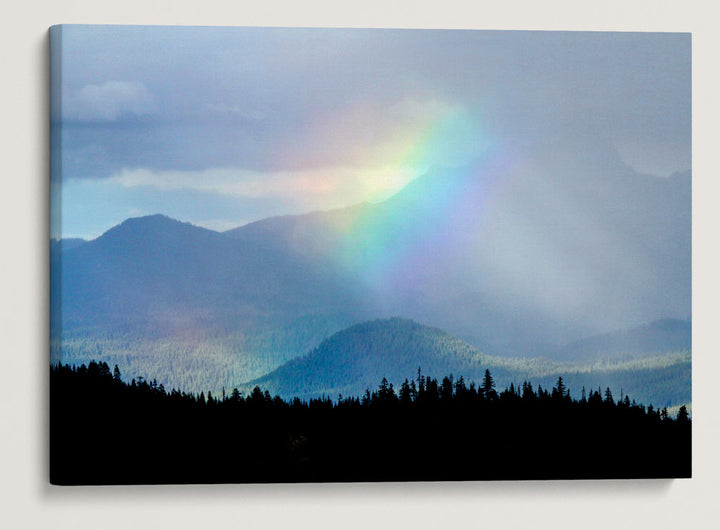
(105, 431)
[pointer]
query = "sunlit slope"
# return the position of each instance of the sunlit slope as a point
(196, 359)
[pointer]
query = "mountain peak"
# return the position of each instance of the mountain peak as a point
(154, 232)
(357, 357)
(156, 223)
(154, 219)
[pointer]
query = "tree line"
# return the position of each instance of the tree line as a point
(108, 431)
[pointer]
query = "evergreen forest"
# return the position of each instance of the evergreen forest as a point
(105, 430)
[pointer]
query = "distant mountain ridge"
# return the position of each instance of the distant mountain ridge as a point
(545, 252)
(156, 270)
(506, 256)
(656, 337)
(518, 256)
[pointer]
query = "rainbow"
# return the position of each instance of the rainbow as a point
(392, 242)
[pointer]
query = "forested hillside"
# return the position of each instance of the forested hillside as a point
(315, 356)
(353, 359)
(197, 358)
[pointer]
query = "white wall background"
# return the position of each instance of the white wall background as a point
(27, 501)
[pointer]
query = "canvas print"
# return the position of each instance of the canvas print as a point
(336, 255)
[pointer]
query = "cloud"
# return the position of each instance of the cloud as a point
(279, 98)
(109, 101)
(331, 187)
(274, 100)
(222, 225)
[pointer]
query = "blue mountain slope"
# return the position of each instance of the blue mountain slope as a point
(155, 269)
(357, 358)
(515, 259)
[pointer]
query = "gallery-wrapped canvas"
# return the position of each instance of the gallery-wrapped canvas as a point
(332, 255)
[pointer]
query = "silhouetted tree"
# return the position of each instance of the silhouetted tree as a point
(405, 393)
(386, 392)
(431, 390)
(413, 391)
(609, 397)
(683, 416)
(488, 386)
(527, 391)
(460, 388)
(322, 440)
(446, 389)
(366, 399)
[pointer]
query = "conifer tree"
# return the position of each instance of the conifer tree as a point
(683, 416)
(446, 389)
(609, 397)
(488, 386)
(413, 391)
(405, 393)
(527, 390)
(460, 388)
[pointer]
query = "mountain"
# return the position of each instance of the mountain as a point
(190, 307)
(659, 336)
(517, 254)
(163, 274)
(521, 252)
(312, 235)
(357, 358)
(517, 258)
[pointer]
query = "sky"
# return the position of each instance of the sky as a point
(224, 126)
